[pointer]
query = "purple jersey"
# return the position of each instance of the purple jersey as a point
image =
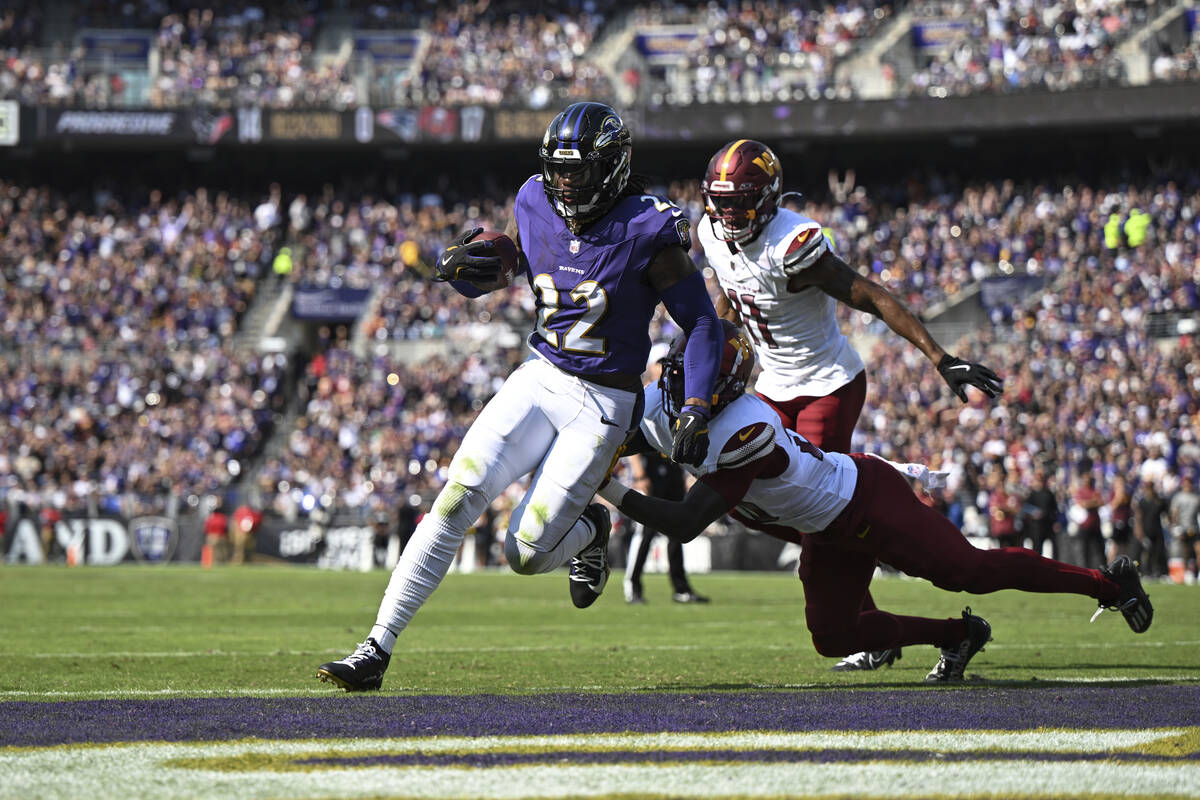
(594, 302)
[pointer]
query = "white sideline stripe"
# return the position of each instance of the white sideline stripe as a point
(1067, 740)
(141, 770)
(549, 648)
(311, 689)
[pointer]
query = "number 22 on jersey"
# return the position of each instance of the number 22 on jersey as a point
(590, 295)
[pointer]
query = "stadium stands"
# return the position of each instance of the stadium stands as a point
(300, 55)
(124, 386)
(119, 385)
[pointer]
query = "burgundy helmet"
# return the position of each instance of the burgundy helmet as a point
(737, 362)
(741, 189)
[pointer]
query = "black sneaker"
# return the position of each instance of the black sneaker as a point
(953, 663)
(589, 569)
(869, 660)
(1133, 602)
(689, 597)
(360, 671)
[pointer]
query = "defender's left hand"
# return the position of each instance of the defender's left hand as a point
(959, 374)
(690, 439)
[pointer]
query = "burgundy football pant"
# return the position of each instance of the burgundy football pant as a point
(827, 421)
(884, 520)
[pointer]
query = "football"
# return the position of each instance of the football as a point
(507, 250)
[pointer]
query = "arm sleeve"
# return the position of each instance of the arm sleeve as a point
(690, 306)
(467, 289)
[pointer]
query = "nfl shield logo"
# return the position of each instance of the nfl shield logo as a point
(574, 246)
(153, 539)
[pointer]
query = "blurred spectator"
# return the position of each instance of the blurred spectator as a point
(1149, 512)
(216, 533)
(1183, 513)
(1120, 514)
(21, 23)
(244, 526)
(1041, 516)
(1004, 506)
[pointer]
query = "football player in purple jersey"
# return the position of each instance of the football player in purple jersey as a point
(600, 255)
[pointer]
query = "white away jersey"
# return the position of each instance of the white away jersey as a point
(807, 496)
(796, 334)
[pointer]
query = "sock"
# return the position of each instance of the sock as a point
(1027, 571)
(423, 564)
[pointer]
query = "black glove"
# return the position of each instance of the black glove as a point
(960, 374)
(474, 262)
(689, 443)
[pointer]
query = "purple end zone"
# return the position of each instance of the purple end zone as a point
(343, 716)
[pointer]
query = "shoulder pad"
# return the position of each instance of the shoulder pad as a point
(748, 443)
(802, 248)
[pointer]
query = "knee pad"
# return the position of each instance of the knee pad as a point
(459, 505)
(523, 559)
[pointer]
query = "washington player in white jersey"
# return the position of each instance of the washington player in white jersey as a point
(776, 481)
(781, 279)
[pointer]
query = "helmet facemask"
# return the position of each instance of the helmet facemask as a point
(739, 215)
(583, 190)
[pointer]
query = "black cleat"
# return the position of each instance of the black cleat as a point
(869, 660)
(953, 663)
(689, 597)
(361, 671)
(1132, 602)
(589, 569)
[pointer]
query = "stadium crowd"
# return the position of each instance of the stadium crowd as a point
(244, 58)
(757, 52)
(500, 54)
(225, 55)
(117, 373)
(1092, 406)
(1021, 45)
(114, 302)
(376, 431)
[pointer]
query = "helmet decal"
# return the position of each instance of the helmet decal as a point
(609, 129)
(729, 157)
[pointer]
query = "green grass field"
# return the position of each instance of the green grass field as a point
(75, 633)
(179, 682)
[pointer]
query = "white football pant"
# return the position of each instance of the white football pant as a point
(543, 420)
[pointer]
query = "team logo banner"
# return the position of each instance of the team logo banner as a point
(326, 304)
(47, 536)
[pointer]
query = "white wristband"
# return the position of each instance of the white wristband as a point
(613, 491)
